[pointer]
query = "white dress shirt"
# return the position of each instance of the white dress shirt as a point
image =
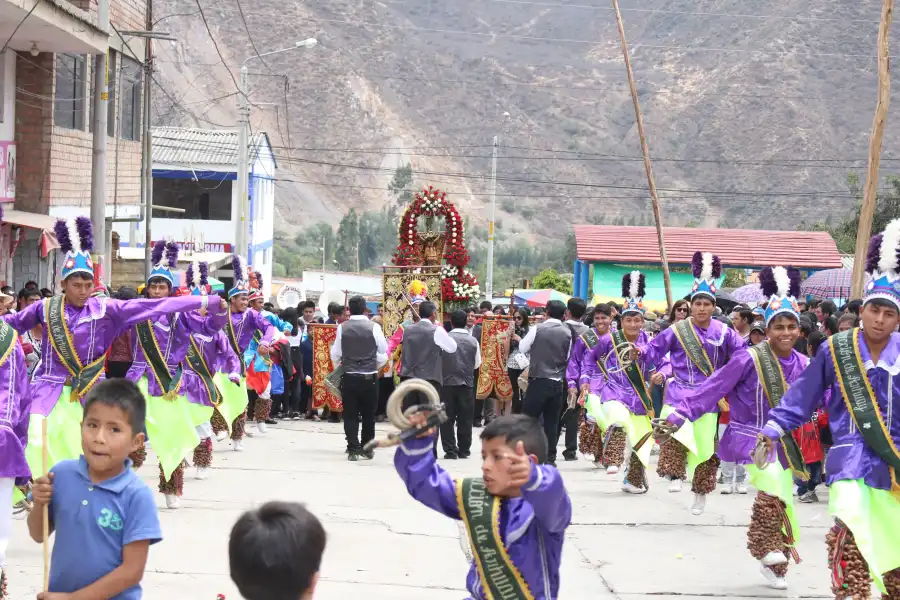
(477, 346)
(380, 344)
(528, 340)
(443, 339)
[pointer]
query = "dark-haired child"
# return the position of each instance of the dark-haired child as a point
(527, 498)
(103, 514)
(275, 551)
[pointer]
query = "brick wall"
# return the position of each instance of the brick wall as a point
(127, 14)
(34, 124)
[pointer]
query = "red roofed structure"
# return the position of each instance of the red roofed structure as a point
(737, 248)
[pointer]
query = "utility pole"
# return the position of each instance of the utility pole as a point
(867, 210)
(489, 283)
(147, 147)
(648, 167)
(242, 234)
(323, 264)
(98, 156)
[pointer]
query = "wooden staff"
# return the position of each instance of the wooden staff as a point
(45, 467)
(648, 167)
(867, 210)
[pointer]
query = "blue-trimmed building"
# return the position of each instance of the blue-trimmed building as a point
(195, 170)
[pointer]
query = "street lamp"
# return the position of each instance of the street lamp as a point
(242, 232)
(489, 276)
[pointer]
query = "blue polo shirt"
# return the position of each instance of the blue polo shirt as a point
(94, 522)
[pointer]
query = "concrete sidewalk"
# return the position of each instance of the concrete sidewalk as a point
(383, 545)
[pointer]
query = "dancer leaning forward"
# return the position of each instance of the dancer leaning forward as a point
(697, 347)
(590, 380)
(755, 380)
(860, 367)
(625, 406)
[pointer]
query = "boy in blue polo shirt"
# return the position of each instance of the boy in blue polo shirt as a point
(104, 515)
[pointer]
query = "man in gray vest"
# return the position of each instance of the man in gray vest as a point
(361, 349)
(456, 391)
(569, 417)
(423, 343)
(549, 344)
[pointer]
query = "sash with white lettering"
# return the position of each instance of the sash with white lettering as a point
(771, 375)
(81, 377)
(232, 339)
(198, 364)
(8, 337)
(590, 339)
(861, 403)
(167, 382)
(687, 337)
(480, 513)
(635, 377)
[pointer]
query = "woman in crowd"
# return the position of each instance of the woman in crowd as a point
(517, 361)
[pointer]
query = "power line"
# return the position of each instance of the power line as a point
(249, 37)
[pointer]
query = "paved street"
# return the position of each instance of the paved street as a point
(384, 545)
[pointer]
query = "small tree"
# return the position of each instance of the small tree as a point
(401, 185)
(549, 278)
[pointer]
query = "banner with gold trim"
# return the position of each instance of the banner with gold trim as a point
(493, 378)
(395, 283)
(323, 337)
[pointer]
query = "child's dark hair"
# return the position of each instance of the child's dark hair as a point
(122, 394)
(815, 339)
(517, 428)
(275, 551)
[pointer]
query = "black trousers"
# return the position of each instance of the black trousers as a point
(416, 398)
(569, 420)
(251, 404)
(457, 400)
(517, 393)
(385, 389)
(360, 396)
(294, 394)
(117, 369)
(544, 401)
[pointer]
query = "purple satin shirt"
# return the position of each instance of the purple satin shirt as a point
(219, 356)
(720, 342)
(617, 386)
(249, 322)
(850, 457)
(747, 401)
(173, 336)
(94, 326)
(15, 408)
(532, 526)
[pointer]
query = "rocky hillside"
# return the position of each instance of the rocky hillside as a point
(755, 111)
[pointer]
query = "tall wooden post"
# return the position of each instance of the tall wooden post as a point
(648, 167)
(867, 210)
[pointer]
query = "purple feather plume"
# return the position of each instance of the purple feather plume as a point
(240, 273)
(642, 285)
(85, 233)
(697, 264)
(874, 253)
(189, 275)
(204, 273)
(716, 267)
(767, 282)
(157, 254)
(172, 255)
(626, 284)
(62, 235)
(259, 280)
(794, 276)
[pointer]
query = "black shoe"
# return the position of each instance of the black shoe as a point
(570, 457)
(271, 421)
(368, 454)
(334, 418)
(465, 455)
(380, 418)
(476, 424)
(451, 456)
(352, 456)
(551, 462)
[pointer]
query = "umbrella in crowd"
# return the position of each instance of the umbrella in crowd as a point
(749, 293)
(724, 300)
(828, 284)
(536, 298)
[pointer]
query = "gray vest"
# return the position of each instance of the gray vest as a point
(579, 329)
(459, 367)
(358, 348)
(421, 357)
(550, 351)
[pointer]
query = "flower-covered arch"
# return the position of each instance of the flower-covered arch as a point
(457, 284)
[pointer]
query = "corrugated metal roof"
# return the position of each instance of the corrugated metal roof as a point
(219, 147)
(735, 247)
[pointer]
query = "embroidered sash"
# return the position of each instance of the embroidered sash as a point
(861, 402)
(590, 338)
(232, 339)
(693, 347)
(198, 364)
(771, 375)
(635, 377)
(8, 337)
(167, 382)
(480, 513)
(81, 377)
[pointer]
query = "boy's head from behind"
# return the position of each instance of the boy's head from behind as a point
(498, 443)
(275, 552)
(112, 424)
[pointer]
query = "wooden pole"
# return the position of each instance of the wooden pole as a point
(45, 467)
(867, 210)
(648, 167)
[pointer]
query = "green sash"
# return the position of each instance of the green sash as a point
(771, 375)
(635, 377)
(232, 339)
(257, 336)
(480, 513)
(81, 377)
(590, 338)
(198, 364)
(860, 400)
(8, 337)
(167, 382)
(687, 337)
